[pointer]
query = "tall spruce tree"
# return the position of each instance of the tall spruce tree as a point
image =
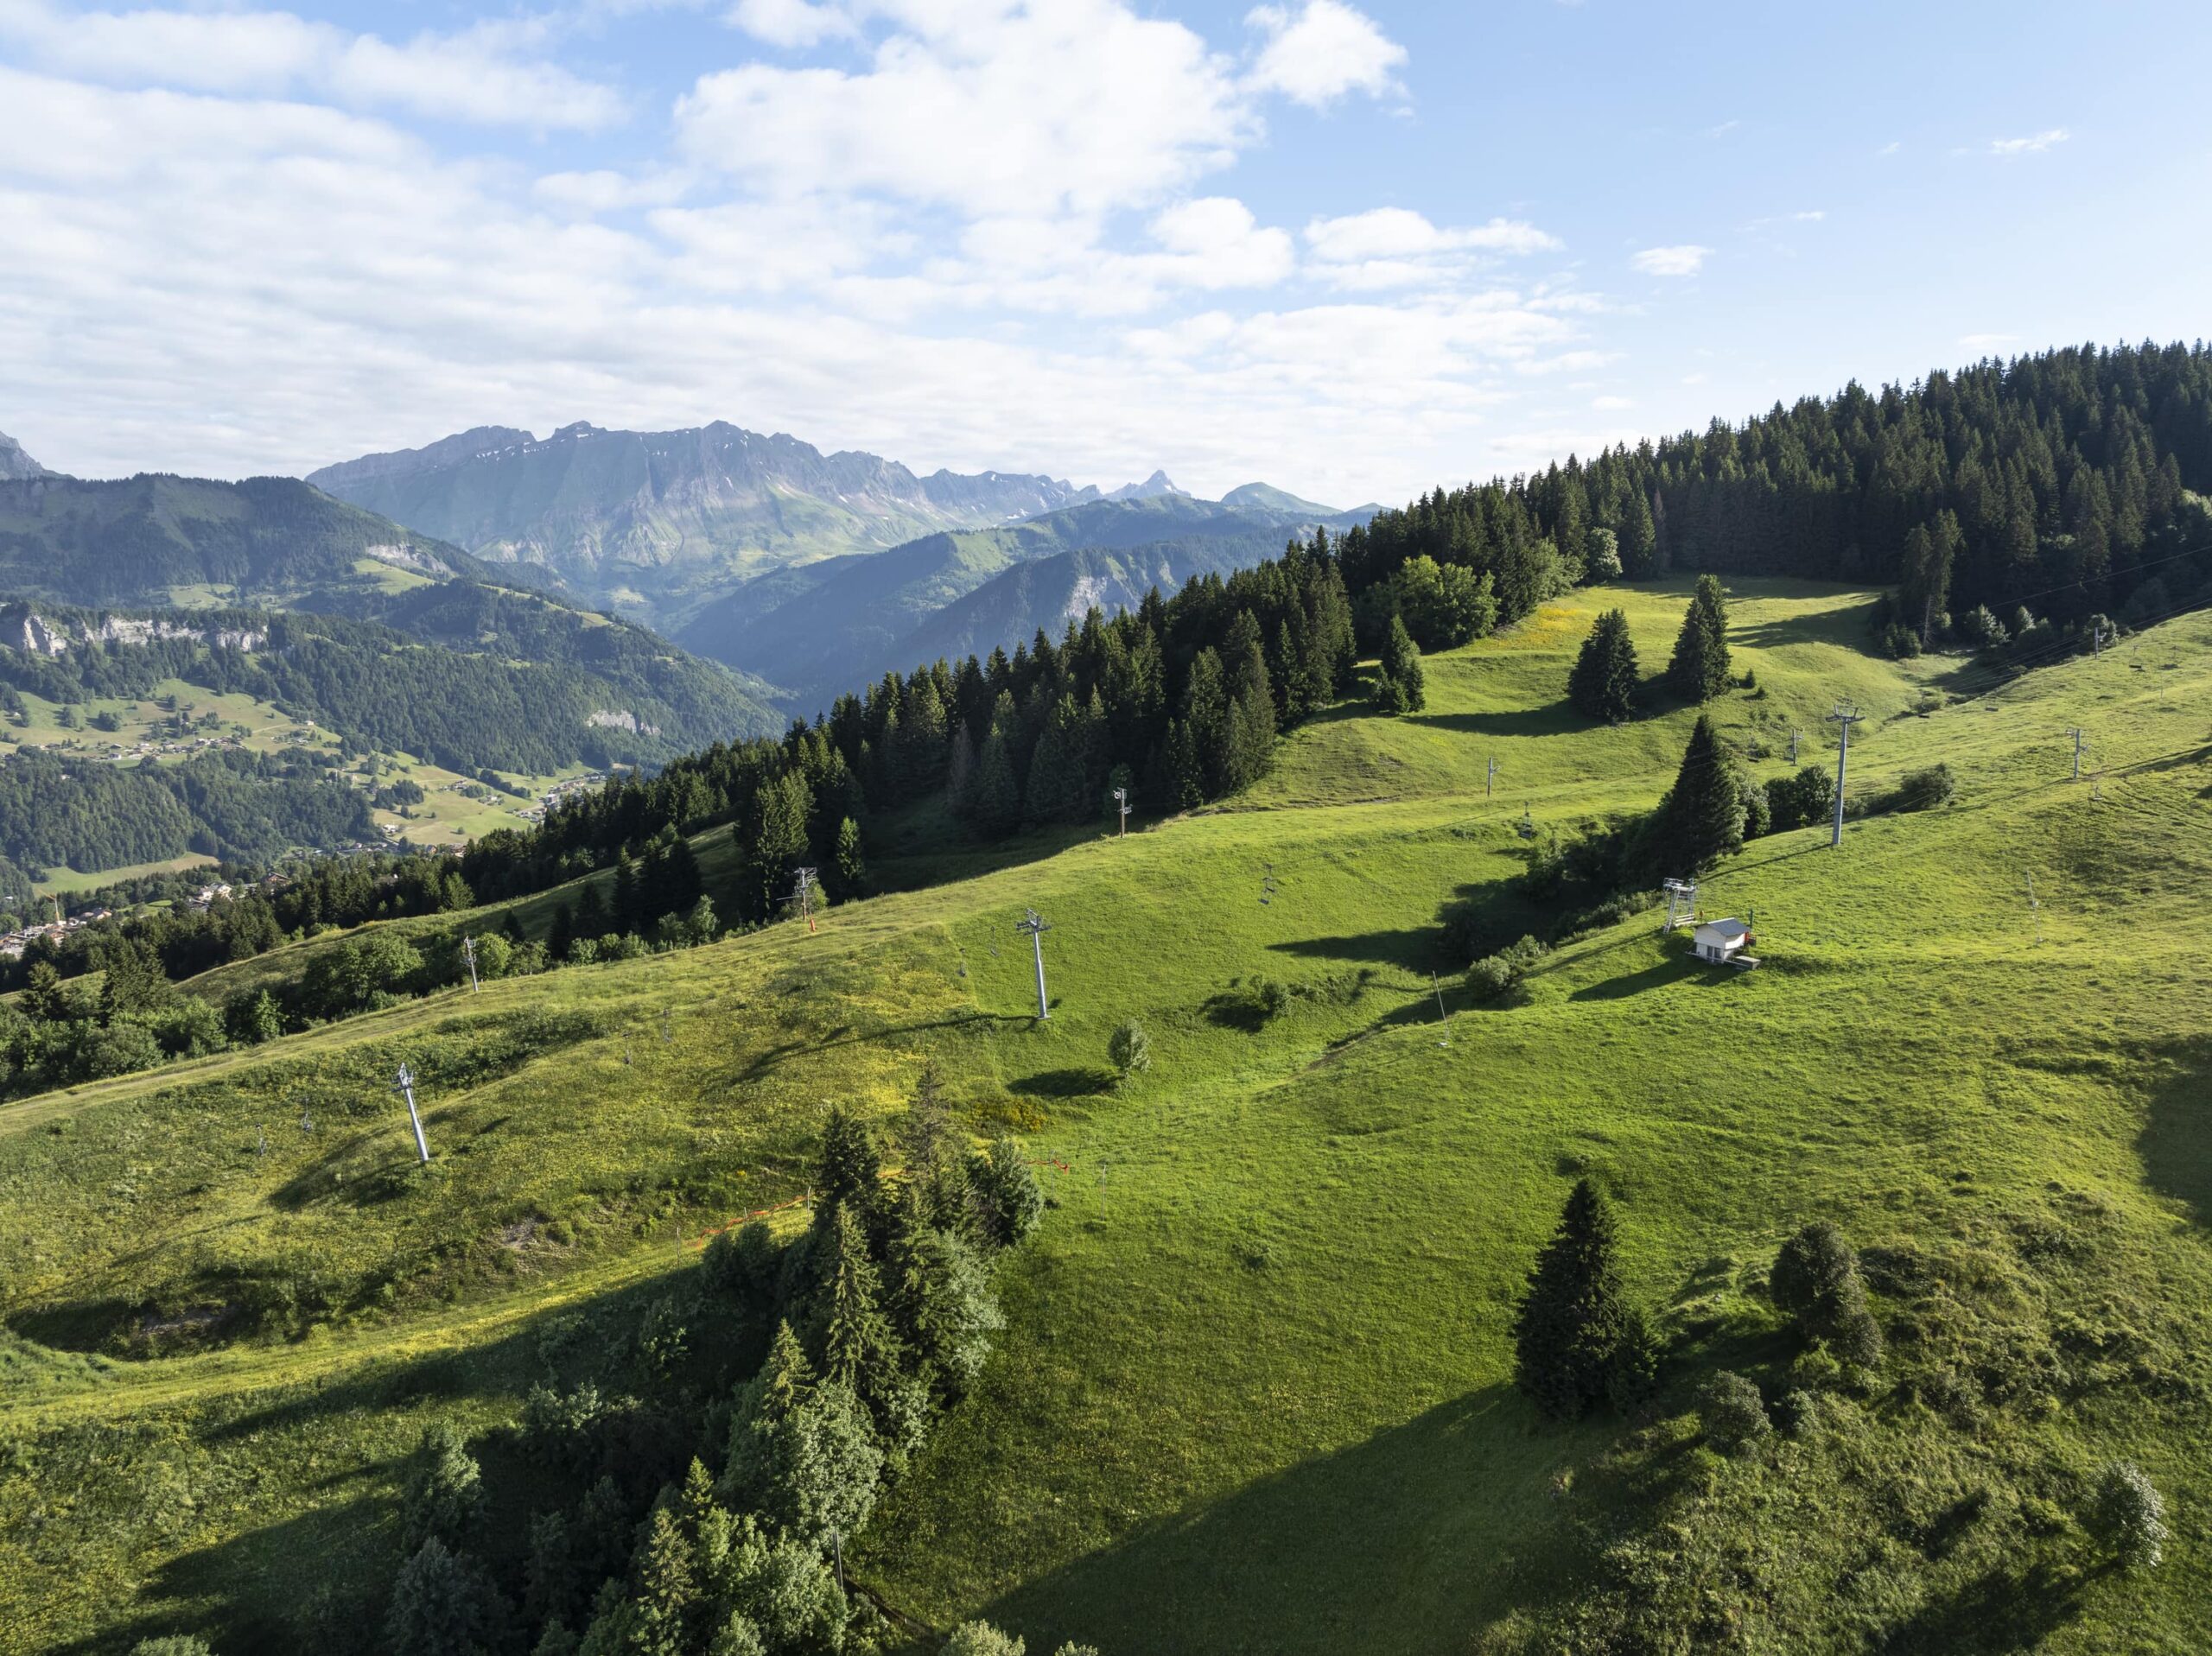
(1700, 666)
(1701, 819)
(1602, 683)
(1574, 1318)
(1699, 670)
(848, 1172)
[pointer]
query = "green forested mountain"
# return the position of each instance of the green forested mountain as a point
(156, 539)
(822, 628)
(661, 521)
(468, 676)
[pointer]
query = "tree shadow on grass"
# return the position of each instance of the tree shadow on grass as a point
(2176, 1139)
(1417, 948)
(776, 1057)
(1078, 1080)
(1554, 719)
(1674, 969)
(1367, 1548)
(2006, 1609)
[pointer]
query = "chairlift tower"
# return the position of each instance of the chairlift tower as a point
(1847, 714)
(404, 1084)
(803, 893)
(1681, 892)
(1121, 804)
(1036, 926)
(2074, 731)
(468, 954)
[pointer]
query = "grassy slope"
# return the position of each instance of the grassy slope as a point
(1255, 1394)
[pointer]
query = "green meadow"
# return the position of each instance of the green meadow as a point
(1255, 1390)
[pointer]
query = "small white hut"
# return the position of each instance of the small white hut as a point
(1722, 942)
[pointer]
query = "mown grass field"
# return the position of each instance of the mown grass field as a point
(1255, 1394)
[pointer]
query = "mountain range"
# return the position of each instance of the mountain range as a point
(816, 572)
(659, 523)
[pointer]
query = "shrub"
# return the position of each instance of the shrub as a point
(1491, 977)
(1734, 1416)
(175, 1644)
(1918, 790)
(982, 1639)
(2128, 1516)
(1130, 1049)
(1273, 997)
(253, 1016)
(1900, 642)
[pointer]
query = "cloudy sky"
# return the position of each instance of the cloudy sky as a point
(1352, 249)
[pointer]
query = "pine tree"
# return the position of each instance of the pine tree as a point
(858, 1348)
(442, 1605)
(1399, 684)
(628, 896)
(1573, 1318)
(996, 810)
(1603, 685)
(847, 1172)
(667, 1598)
(852, 870)
(1699, 668)
(591, 912)
(1206, 714)
(1701, 818)
(1251, 721)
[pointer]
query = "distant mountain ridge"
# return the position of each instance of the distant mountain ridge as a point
(834, 625)
(662, 522)
(15, 464)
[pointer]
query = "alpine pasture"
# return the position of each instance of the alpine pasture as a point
(1256, 1389)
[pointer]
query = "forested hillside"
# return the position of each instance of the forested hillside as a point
(2064, 474)
(157, 540)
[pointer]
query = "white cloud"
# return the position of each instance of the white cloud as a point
(1322, 51)
(1082, 106)
(1393, 247)
(791, 23)
(2029, 146)
(1685, 260)
(1610, 404)
(1986, 342)
(493, 74)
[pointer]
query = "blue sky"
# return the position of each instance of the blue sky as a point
(1351, 250)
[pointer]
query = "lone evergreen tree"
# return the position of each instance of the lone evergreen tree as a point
(1699, 670)
(847, 1172)
(1571, 1321)
(1602, 683)
(852, 869)
(1399, 686)
(1701, 818)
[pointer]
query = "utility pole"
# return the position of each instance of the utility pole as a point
(1847, 714)
(1793, 747)
(468, 954)
(1121, 804)
(1490, 784)
(1037, 926)
(405, 1083)
(803, 893)
(2075, 731)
